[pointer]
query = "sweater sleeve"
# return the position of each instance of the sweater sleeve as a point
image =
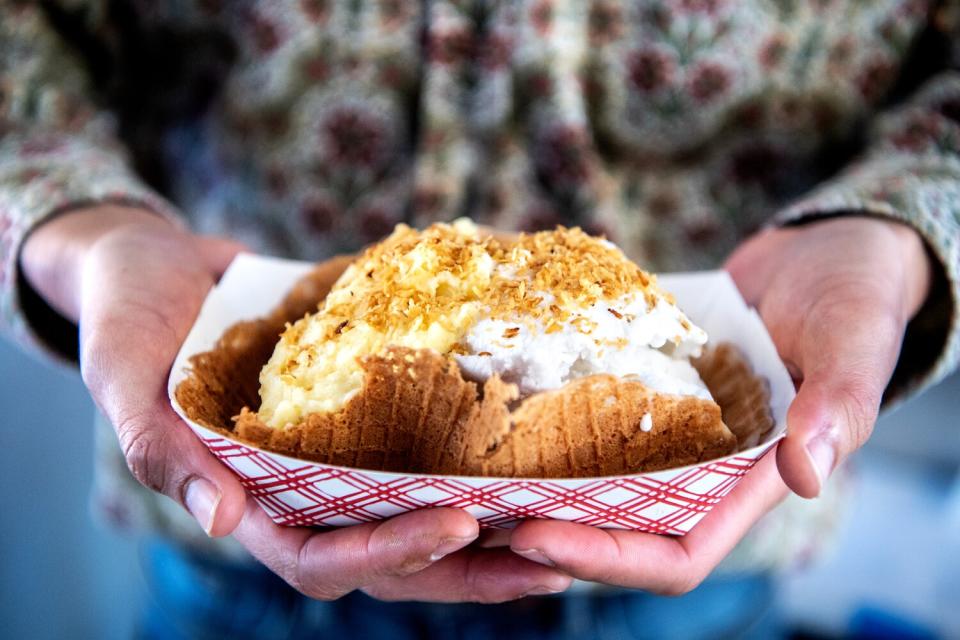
(910, 173)
(57, 151)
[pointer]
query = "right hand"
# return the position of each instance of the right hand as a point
(134, 284)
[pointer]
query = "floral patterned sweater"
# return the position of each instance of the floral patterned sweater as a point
(306, 127)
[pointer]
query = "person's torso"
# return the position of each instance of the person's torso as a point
(673, 126)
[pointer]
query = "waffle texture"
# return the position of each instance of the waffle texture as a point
(416, 413)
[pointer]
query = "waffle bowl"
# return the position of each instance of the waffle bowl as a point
(483, 451)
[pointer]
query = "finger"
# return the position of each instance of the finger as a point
(128, 342)
(328, 565)
(474, 575)
(748, 265)
(161, 451)
(163, 454)
(218, 252)
(849, 345)
(661, 564)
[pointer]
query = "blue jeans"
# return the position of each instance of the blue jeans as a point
(203, 598)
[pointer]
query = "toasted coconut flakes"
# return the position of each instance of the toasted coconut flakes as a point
(583, 325)
(437, 281)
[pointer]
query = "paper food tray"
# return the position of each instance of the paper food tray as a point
(304, 493)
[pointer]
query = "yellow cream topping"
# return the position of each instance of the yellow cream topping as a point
(425, 290)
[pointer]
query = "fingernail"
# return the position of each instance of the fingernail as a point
(822, 456)
(449, 545)
(541, 591)
(202, 499)
(535, 555)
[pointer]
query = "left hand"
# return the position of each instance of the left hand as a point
(835, 296)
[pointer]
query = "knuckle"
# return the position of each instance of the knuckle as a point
(309, 583)
(475, 586)
(681, 585)
(408, 566)
(142, 450)
(484, 586)
(321, 593)
(859, 403)
(386, 560)
(316, 589)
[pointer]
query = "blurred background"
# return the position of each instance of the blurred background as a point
(895, 571)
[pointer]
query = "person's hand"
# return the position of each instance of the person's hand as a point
(836, 296)
(135, 283)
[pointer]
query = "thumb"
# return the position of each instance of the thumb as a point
(164, 455)
(132, 321)
(161, 451)
(848, 350)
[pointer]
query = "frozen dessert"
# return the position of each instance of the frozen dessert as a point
(450, 350)
(539, 312)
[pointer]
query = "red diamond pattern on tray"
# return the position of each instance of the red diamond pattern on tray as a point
(300, 493)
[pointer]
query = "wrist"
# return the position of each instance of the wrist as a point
(52, 255)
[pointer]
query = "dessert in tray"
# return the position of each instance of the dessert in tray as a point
(454, 351)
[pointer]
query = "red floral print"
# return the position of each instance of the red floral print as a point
(918, 133)
(540, 218)
(319, 215)
(316, 10)
(266, 37)
(375, 224)
(354, 137)
(541, 16)
(773, 50)
(563, 156)
(663, 204)
(495, 52)
(428, 201)
(395, 13)
(709, 81)
(702, 232)
(539, 84)
(316, 67)
(650, 69)
(451, 47)
(875, 79)
(605, 20)
(706, 6)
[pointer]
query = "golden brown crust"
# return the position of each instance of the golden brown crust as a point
(743, 396)
(592, 427)
(417, 414)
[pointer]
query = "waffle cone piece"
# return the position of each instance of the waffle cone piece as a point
(743, 397)
(416, 413)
